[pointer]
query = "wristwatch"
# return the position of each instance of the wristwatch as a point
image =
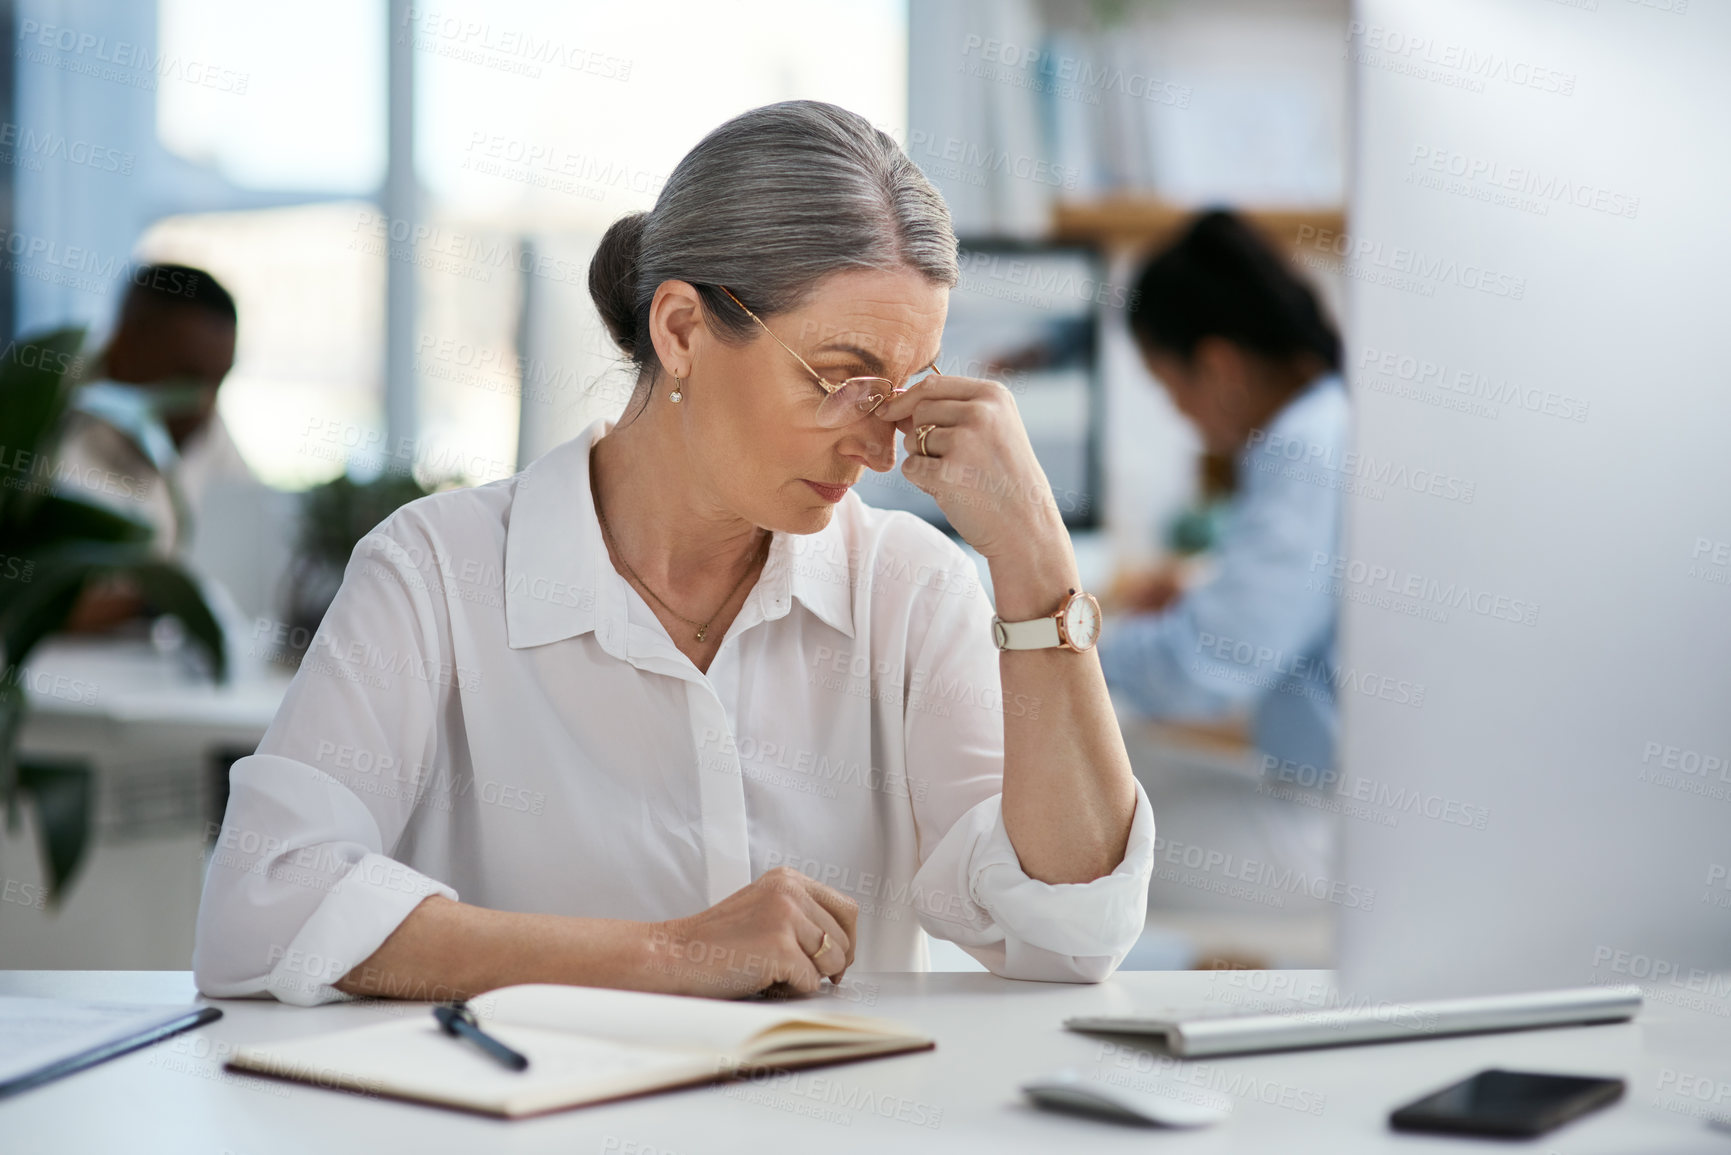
(1076, 626)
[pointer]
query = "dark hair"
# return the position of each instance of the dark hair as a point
(179, 285)
(768, 204)
(1221, 279)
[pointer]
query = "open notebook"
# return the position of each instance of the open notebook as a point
(584, 1045)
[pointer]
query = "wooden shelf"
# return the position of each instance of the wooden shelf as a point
(1137, 222)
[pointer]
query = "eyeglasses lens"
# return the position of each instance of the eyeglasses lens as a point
(856, 397)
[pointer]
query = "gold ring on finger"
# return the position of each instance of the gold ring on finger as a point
(922, 431)
(822, 943)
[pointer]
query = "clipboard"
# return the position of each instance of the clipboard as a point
(195, 1016)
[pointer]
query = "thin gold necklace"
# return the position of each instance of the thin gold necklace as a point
(702, 627)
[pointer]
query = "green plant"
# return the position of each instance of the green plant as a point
(51, 547)
(333, 519)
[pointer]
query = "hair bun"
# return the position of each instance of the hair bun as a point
(613, 279)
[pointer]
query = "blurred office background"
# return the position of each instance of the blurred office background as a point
(403, 201)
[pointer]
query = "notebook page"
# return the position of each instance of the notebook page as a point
(650, 1019)
(418, 1060)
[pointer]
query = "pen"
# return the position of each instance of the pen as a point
(459, 1021)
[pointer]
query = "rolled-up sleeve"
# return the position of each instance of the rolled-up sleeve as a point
(300, 887)
(970, 888)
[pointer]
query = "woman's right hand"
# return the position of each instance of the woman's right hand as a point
(761, 936)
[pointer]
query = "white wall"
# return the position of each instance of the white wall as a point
(1605, 304)
(1196, 102)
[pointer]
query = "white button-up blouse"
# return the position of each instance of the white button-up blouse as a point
(490, 710)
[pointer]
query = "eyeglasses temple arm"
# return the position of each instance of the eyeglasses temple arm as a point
(827, 387)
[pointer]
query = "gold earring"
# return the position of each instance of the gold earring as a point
(676, 396)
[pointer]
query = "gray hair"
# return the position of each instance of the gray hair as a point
(768, 204)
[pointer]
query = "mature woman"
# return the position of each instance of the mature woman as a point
(672, 709)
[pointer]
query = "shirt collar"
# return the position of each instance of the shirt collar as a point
(559, 583)
(1291, 416)
(1319, 388)
(556, 567)
(816, 568)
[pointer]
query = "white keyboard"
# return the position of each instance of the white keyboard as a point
(1281, 1025)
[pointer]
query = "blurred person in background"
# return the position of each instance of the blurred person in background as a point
(144, 437)
(1247, 356)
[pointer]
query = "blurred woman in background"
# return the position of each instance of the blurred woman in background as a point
(1247, 356)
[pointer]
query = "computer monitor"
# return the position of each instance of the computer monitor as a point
(1537, 259)
(1027, 315)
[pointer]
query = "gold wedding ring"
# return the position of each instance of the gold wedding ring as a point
(823, 942)
(922, 431)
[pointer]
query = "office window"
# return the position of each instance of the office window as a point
(278, 97)
(544, 122)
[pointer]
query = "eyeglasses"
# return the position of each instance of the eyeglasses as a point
(845, 403)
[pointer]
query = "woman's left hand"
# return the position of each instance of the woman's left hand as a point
(978, 465)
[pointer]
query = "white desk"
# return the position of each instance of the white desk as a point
(991, 1034)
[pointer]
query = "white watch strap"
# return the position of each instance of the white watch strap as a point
(1034, 634)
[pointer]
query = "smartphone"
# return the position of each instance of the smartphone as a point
(1510, 1103)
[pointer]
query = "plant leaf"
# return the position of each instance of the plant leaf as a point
(64, 796)
(37, 376)
(172, 590)
(57, 519)
(11, 722)
(32, 610)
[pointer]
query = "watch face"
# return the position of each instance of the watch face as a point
(1082, 621)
